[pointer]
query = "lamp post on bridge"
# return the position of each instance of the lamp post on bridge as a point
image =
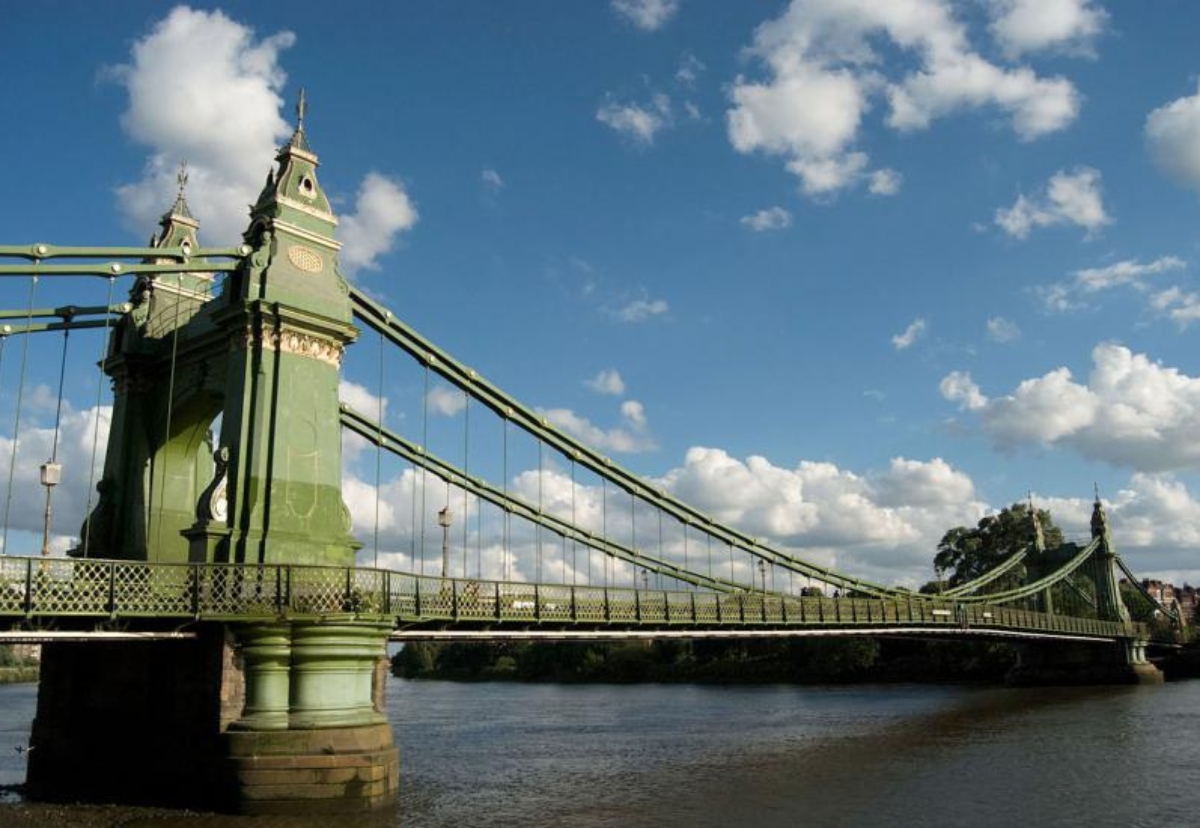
(762, 571)
(51, 474)
(444, 518)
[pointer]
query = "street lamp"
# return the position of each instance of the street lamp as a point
(51, 474)
(645, 578)
(762, 571)
(444, 518)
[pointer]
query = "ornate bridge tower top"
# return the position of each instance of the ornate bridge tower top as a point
(263, 357)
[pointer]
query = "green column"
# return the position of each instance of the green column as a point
(266, 651)
(333, 666)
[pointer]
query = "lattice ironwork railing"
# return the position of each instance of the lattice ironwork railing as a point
(46, 588)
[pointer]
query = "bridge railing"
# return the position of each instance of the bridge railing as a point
(44, 588)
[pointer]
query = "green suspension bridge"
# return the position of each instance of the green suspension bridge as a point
(219, 503)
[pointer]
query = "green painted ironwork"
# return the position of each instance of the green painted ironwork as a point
(382, 320)
(43, 327)
(67, 312)
(392, 442)
(118, 269)
(37, 590)
(1009, 564)
(1031, 589)
(1171, 612)
(257, 530)
(43, 252)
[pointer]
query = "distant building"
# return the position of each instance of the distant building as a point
(1185, 598)
(30, 652)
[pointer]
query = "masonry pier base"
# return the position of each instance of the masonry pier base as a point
(1059, 663)
(276, 718)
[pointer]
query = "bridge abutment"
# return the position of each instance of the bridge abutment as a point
(273, 718)
(1061, 663)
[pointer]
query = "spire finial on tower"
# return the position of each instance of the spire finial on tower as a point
(180, 207)
(298, 141)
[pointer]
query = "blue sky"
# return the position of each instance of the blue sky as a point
(845, 273)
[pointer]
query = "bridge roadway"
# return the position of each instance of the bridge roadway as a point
(53, 598)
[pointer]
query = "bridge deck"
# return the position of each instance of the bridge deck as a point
(56, 593)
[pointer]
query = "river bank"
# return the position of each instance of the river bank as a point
(19, 675)
(700, 661)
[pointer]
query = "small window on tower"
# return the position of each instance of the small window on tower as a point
(306, 187)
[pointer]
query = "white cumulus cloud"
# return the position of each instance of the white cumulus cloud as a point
(642, 309)
(382, 211)
(445, 400)
(1130, 273)
(205, 89)
(1002, 330)
(1155, 522)
(825, 69)
(908, 337)
(884, 182)
(958, 387)
(769, 218)
(1022, 26)
(631, 436)
(361, 399)
(1131, 412)
(647, 15)
(636, 122)
(608, 381)
(1182, 308)
(883, 525)
(491, 180)
(1071, 198)
(1173, 136)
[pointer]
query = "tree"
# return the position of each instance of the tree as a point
(968, 553)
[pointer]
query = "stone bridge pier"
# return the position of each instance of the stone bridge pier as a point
(276, 718)
(1069, 663)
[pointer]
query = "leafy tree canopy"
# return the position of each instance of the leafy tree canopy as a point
(968, 553)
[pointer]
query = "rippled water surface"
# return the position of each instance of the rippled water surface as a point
(542, 755)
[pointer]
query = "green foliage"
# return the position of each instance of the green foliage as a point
(968, 553)
(705, 660)
(1140, 607)
(414, 660)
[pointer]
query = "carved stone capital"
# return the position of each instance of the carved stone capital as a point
(290, 341)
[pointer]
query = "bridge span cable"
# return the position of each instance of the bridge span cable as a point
(392, 442)
(1170, 612)
(87, 509)
(379, 318)
(1079, 591)
(988, 577)
(12, 463)
(1034, 587)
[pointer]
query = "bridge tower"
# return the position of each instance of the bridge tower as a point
(268, 717)
(1122, 662)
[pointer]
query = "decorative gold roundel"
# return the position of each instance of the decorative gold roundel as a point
(305, 259)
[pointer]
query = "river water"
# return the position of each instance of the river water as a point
(664, 755)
